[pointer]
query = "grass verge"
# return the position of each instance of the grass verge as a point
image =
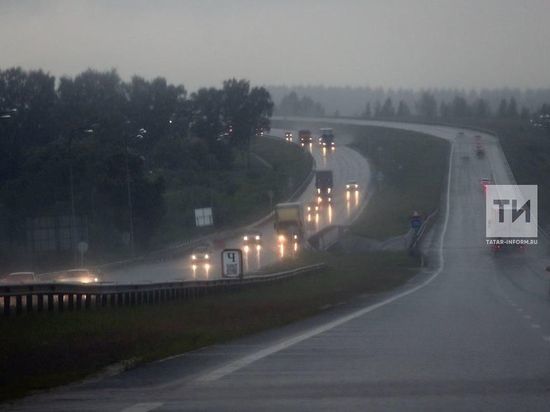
(413, 165)
(40, 351)
(238, 196)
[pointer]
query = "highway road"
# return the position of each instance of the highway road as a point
(346, 164)
(472, 332)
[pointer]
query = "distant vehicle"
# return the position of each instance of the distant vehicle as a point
(305, 136)
(352, 186)
(460, 134)
(19, 277)
(480, 151)
(260, 131)
(200, 257)
(312, 207)
(323, 186)
(80, 275)
(288, 224)
(326, 139)
(288, 136)
(500, 246)
(252, 240)
(485, 181)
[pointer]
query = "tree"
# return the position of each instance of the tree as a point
(512, 110)
(377, 109)
(387, 109)
(427, 106)
(481, 109)
(502, 109)
(403, 109)
(367, 113)
(459, 107)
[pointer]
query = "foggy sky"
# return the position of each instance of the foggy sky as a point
(389, 43)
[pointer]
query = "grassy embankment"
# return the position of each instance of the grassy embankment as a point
(238, 196)
(40, 350)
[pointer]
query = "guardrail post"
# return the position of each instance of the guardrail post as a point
(40, 302)
(97, 300)
(18, 304)
(50, 302)
(120, 299)
(103, 300)
(7, 305)
(157, 296)
(132, 298)
(29, 303)
(127, 298)
(88, 301)
(70, 301)
(60, 302)
(78, 301)
(139, 297)
(112, 299)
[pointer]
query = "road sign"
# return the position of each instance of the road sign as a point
(203, 217)
(232, 263)
(416, 221)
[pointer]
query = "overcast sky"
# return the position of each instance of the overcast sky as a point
(390, 43)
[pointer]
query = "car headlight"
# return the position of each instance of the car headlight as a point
(295, 237)
(96, 280)
(281, 238)
(245, 238)
(329, 189)
(258, 237)
(347, 186)
(193, 257)
(206, 256)
(318, 190)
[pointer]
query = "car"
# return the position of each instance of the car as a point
(484, 182)
(200, 257)
(288, 136)
(312, 207)
(499, 246)
(260, 131)
(352, 186)
(80, 275)
(252, 240)
(19, 277)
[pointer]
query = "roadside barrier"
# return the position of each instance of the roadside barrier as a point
(59, 297)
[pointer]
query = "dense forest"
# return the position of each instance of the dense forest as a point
(96, 152)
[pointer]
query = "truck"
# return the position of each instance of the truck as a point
(305, 137)
(323, 186)
(326, 138)
(288, 225)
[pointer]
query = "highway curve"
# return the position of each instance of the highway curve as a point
(470, 333)
(347, 164)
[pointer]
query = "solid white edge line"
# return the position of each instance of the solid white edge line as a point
(247, 360)
(143, 407)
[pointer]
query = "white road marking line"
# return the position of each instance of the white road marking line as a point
(143, 407)
(535, 325)
(247, 360)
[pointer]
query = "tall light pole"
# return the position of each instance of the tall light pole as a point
(71, 184)
(140, 134)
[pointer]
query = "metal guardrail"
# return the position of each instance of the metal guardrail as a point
(59, 297)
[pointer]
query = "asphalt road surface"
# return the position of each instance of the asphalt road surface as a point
(346, 164)
(471, 333)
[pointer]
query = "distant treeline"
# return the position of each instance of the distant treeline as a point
(380, 102)
(79, 145)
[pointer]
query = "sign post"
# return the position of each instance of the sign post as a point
(232, 263)
(416, 221)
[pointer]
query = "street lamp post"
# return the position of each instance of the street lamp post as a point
(140, 136)
(71, 184)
